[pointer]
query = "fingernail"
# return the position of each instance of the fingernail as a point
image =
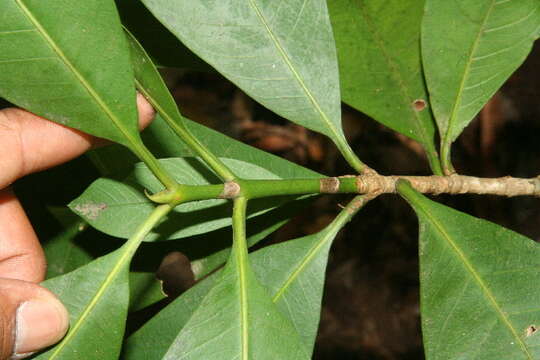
(38, 324)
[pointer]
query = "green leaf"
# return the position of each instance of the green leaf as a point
(148, 78)
(479, 285)
(207, 252)
(162, 46)
(63, 62)
(75, 245)
(145, 290)
(116, 208)
(151, 85)
(293, 272)
(469, 49)
(96, 296)
(63, 254)
(282, 56)
(152, 340)
(250, 326)
(164, 143)
(378, 45)
(259, 228)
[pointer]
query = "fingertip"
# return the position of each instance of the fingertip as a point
(21, 254)
(31, 318)
(39, 323)
(146, 111)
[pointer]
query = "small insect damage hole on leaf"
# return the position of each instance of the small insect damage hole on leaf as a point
(90, 210)
(419, 104)
(531, 330)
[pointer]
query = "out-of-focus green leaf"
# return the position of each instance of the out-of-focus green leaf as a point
(117, 208)
(281, 54)
(469, 48)
(69, 62)
(378, 45)
(479, 286)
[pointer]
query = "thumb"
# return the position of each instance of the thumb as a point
(31, 318)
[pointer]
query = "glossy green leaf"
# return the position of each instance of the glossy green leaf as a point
(479, 286)
(116, 208)
(293, 272)
(378, 45)
(96, 296)
(68, 61)
(469, 49)
(282, 56)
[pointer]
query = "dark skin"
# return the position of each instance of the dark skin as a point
(31, 317)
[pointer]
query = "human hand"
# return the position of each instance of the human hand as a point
(31, 317)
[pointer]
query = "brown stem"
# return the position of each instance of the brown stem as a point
(452, 184)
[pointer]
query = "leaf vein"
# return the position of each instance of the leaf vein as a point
(478, 279)
(525, 18)
(92, 92)
(8, 61)
(296, 75)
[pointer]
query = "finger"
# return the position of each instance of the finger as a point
(34, 143)
(31, 318)
(21, 256)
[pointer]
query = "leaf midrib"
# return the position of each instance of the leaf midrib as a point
(127, 251)
(296, 75)
(480, 282)
(93, 94)
(453, 115)
(303, 264)
(403, 90)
